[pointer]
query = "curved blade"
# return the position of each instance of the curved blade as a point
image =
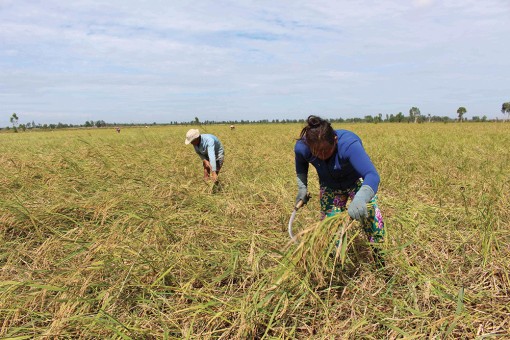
(292, 217)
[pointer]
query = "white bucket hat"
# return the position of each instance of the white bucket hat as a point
(191, 135)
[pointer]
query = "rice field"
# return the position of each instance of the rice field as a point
(116, 235)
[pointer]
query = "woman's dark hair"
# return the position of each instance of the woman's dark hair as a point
(316, 131)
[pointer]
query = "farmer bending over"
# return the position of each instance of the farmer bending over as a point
(210, 150)
(345, 172)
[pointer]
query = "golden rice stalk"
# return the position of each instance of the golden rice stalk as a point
(320, 247)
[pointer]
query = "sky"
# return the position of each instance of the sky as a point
(158, 61)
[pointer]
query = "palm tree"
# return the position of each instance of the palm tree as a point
(505, 108)
(414, 113)
(14, 121)
(460, 111)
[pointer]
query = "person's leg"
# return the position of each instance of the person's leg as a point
(373, 225)
(207, 172)
(332, 201)
(219, 164)
(217, 185)
(207, 168)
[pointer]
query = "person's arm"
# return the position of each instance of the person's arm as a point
(364, 166)
(214, 176)
(361, 162)
(206, 169)
(211, 154)
(302, 183)
(216, 145)
(205, 162)
(301, 174)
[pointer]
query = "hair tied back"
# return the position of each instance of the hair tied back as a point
(314, 121)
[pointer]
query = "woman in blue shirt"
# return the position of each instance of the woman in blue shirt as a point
(345, 172)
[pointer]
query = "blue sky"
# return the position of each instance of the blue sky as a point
(161, 61)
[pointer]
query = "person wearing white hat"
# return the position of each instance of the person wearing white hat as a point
(209, 148)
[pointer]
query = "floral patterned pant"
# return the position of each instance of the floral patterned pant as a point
(335, 201)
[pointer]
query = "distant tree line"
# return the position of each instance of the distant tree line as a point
(32, 125)
(414, 116)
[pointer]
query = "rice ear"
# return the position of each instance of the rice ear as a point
(316, 244)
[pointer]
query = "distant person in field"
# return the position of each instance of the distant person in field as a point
(209, 149)
(345, 173)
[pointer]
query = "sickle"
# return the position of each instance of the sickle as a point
(292, 217)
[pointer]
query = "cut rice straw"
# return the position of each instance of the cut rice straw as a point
(317, 246)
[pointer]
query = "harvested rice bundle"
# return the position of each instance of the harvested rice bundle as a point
(320, 248)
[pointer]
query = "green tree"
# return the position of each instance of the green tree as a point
(369, 119)
(505, 108)
(197, 121)
(414, 114)
(14, 121)
(461, 111)
(100, 123)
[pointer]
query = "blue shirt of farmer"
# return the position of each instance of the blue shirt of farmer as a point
(211, 149)
(342, 170)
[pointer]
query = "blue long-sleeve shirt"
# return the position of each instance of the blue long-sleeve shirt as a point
(348, 163)
(210, 148)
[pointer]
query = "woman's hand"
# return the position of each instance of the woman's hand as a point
(358, 207)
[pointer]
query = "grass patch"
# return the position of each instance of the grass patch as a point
(107, 235)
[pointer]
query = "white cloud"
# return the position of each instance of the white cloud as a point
(423, 3)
